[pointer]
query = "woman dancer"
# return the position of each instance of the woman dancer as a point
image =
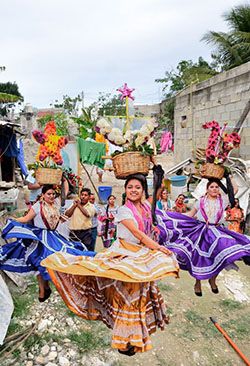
(235, 217)
(202, 245)
(163, 202)
(34, 243)
(117, 286)
(107, 227)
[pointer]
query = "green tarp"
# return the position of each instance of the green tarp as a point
(91, 152)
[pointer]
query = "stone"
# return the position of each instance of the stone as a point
(72, 353)
(40, 360)
(30, 356)
(53, 348)
(51, 364)
(45, 350)
(63, 361)
(52, 356)
(29, 363)
(70, 322)
(43, 325)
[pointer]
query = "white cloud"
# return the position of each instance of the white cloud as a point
(56, 47)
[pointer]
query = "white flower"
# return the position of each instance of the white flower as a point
(139, 140)
(119, 140)
(104, 125)
(128, 136)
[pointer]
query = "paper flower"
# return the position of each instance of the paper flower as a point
(126, 92)
(50, 143)
(219, 144)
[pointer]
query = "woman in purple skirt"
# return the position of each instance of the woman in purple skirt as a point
(202, 245)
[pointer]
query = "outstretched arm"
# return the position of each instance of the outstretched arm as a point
(144, 239)
(191, 213)
(30, 216)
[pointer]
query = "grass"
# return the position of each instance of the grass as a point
(229, 304)
(89, 340)
(198, 326)
(238, 328)
(164, 287)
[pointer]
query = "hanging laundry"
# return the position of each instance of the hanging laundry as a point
(166, 141)
(91, 152)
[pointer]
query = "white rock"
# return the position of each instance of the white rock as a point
(51, 318)
(83, 360)
(40, 360)
(66, 340)
(29, 363)
(30, 356)
(96, 361)
(70, 322)
(52, 356)
(45, 350)
(53, 348)
(63, 361)
(42, 325)
(72, 353)
(51, 364)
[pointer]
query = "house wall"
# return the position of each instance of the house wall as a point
(221, 98)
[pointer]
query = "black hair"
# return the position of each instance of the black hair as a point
(47, 187)
(142, 179)
(111, 196)
(86, 190)
(211, 181)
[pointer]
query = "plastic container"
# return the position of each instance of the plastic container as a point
(178, 180)
(8, 199)
(104, 193)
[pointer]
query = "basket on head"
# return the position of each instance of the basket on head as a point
(210, 170)
(129, 163)
(48, 176)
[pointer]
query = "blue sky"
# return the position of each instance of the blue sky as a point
(56, 47)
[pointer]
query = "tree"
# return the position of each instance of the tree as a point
(232, 48)
(187, 72)
(110, 105)
(61, 122)
(68, 104)
(9, 95)
(86, 124)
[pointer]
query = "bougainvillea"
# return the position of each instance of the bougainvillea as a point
(50, 144)
(219, 142)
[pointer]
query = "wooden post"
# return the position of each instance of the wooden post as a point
(243, 116)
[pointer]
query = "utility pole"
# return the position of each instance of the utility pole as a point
(82, 99)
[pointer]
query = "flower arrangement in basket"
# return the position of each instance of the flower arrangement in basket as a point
(49, 159)
(137, 153)
(218, 148)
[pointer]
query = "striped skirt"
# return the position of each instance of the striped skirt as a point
(116, 287)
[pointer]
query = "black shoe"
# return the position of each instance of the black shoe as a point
(198, 293)
(215, 290)
(47, 293)
(129, 352)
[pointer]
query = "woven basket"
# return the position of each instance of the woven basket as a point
(210, 170)
(49, 176)
(130, 163)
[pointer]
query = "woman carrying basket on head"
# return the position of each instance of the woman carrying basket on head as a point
(202, 245)
(34, 243)
(118, 285)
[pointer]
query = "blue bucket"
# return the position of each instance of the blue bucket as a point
(178, 180)
(104, 193)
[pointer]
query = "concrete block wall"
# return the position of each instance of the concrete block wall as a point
(221, 98)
